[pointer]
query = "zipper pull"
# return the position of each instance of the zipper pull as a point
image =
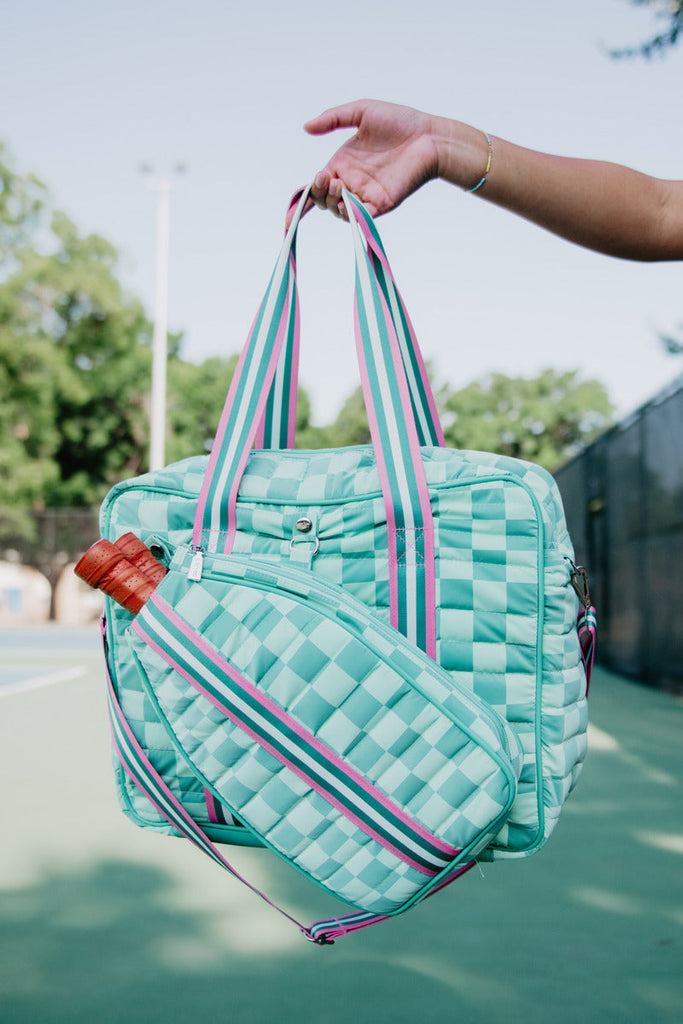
(194, 573)
(579, 578)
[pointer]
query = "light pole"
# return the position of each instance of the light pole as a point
(162, 186)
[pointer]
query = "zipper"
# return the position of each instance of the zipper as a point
(194, 573)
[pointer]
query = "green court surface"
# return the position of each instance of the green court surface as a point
(101, 922)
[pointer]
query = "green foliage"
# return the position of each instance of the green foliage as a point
(28, 431)
(74, 360)
(22, 200)
(544, 419)
(350, 427)
(75, 369)
(195, 399)
(668, 11)
(196, 395)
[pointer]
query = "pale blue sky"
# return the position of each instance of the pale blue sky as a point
(88, 90)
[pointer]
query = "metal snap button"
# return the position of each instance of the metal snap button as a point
(304, 525)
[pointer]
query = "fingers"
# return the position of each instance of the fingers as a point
(320, 186)
(347, 116)
(326, 192)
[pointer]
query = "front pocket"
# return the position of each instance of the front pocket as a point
(317, 725)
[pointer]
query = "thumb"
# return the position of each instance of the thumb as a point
(347, 116)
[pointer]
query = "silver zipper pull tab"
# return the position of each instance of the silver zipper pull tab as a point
(194, 573)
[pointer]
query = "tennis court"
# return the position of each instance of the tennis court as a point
(102, 922)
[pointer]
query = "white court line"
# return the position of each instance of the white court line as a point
(36, 682)
(598, 739)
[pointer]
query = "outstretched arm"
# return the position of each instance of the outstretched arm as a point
(602, 206)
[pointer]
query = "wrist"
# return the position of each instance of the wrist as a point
(462, 152)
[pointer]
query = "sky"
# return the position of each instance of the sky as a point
(90, 89)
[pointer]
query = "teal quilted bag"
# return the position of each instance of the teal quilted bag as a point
(365, 659)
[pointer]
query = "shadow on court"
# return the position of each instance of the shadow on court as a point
(101, 923)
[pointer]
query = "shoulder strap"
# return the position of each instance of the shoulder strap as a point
(142, 772)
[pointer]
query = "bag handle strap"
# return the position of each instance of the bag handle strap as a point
(278, 427)
(422, 397)
(393, 429)
(390, 408)
(142, 772)
(245, 404)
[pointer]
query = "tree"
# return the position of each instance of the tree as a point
(28, 432)
(105, 339)
(22, 202)
(75, 365)
(351, 425)
(668, 11)
(74, 360)
(544, 419)
(75, 368)
(196, 395)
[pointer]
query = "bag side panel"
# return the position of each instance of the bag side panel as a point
(564, 707)
(488, 618)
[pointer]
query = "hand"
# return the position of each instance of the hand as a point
(391, 155)
(602, 206)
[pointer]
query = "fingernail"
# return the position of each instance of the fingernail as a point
(335, 189)
(319, 180)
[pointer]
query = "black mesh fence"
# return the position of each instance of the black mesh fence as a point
(623, 499)
(52, 539)
(55, 535)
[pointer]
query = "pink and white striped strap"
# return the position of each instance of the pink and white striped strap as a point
(282, 399)
(144, 775)
(390, 405)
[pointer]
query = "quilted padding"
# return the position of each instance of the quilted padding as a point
(287, 698)
(506, 610)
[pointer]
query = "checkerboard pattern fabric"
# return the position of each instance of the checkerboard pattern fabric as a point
(342, 745)
(506, 610)
(294, 707)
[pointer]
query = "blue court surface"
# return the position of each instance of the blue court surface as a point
(34, 658)
(101, 922)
